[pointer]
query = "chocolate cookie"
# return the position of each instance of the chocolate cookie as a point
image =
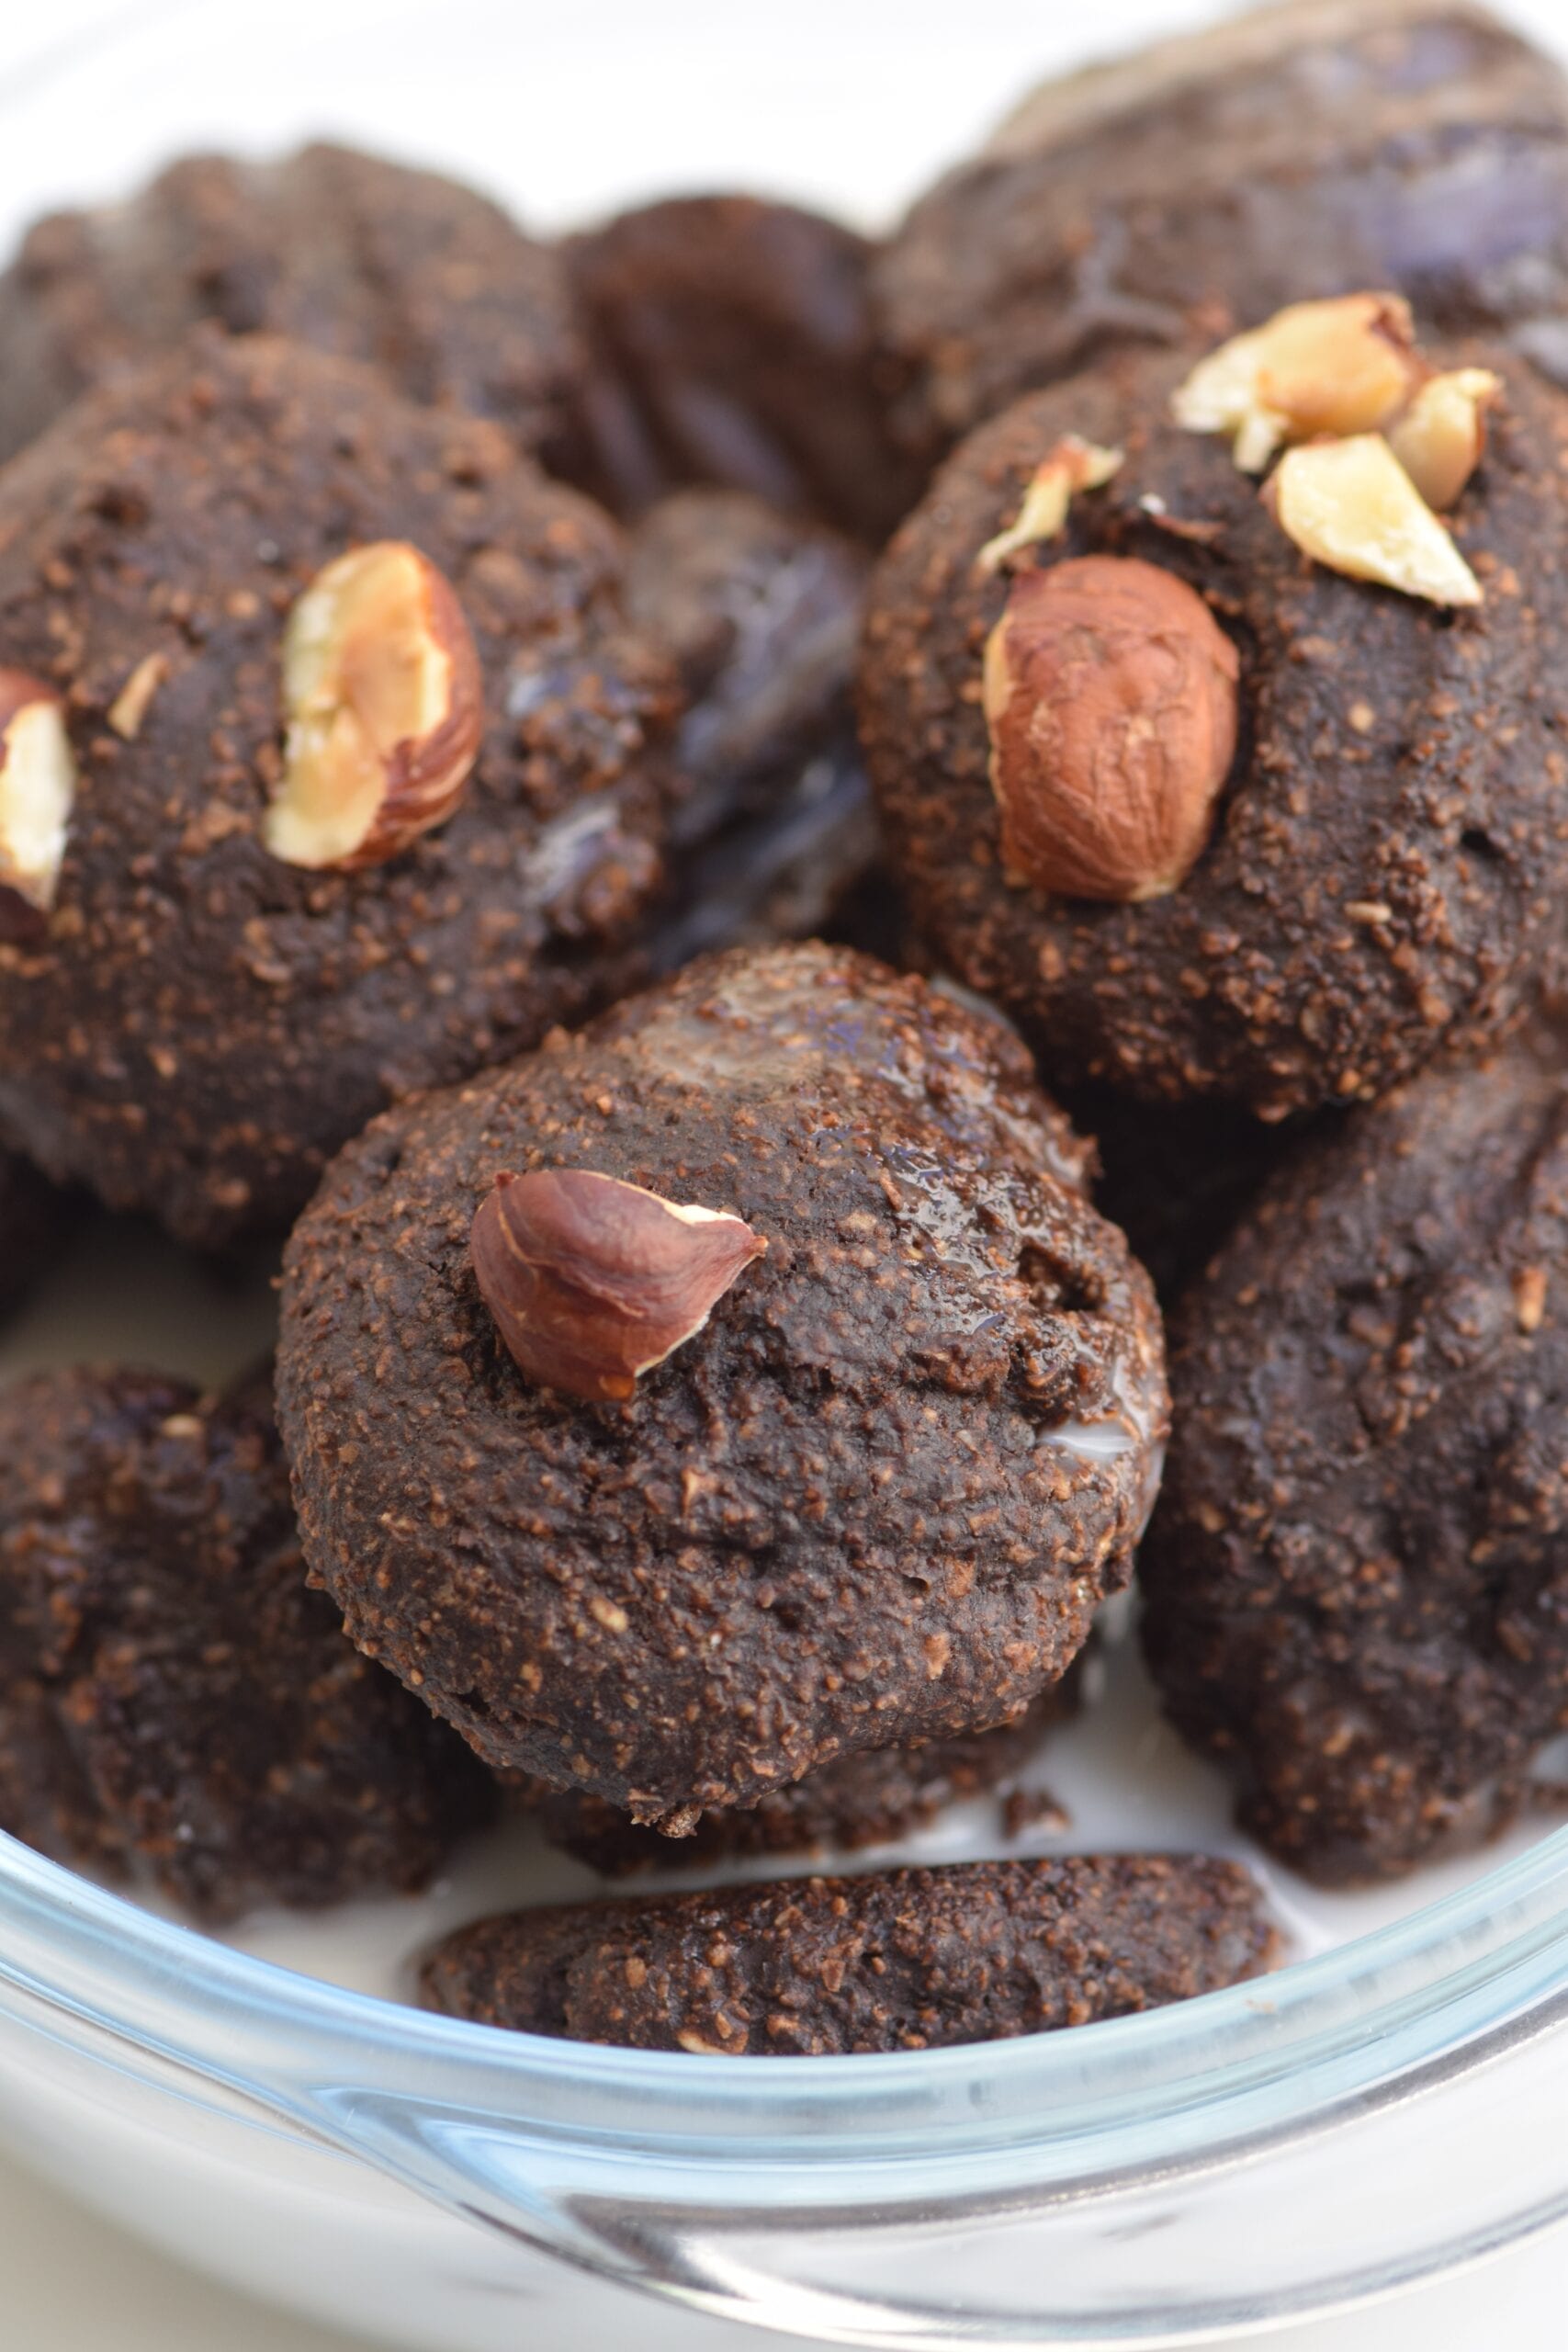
(360, 256)
(35, 1218)
(172, 1699)
(1372, 782)
(1302, 149)
(863, 1799)
(1354, 1589)
(876, 1499)
(198, 1015)
(761, 613)
(897, 1960)
(729, 343)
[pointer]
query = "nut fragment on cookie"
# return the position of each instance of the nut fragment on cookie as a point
(37, 788)
(1351, 505)
(1439, 438)
(1111, 696)
(1342, 366)
(385, 709)
(1071, 466)
(593, 1281)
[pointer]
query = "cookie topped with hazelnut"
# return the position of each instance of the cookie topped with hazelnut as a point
(1299, 150)
(404, 269)
(1355, 1586)
(1215, 708)
(741, 1384)
(175, 1702)
(333, 768)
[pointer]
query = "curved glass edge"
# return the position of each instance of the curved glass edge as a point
(1427, 1987)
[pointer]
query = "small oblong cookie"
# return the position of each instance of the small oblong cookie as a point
(897, 1960)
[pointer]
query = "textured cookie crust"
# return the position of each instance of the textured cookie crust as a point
(1389, 858)
(423, 277)
(174, 1700)
(761, 613)
(203, 1025)
(878, 1500)
(35, 1219)
(863, 1799)
(730, 342)
(1298, 150)
(1355, 1586)
(897, 1960)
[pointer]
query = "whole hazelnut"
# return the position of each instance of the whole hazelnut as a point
(384, 706)
(38, 790)
(591, 1282)
(1111, 694)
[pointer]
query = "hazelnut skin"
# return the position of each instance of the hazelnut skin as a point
(1111, 695)
(591, 1282)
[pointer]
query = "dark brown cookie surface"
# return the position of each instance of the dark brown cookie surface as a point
(357, 255)
(201, 1024)
(897, 1960)
(730, 343)
(863, 1799)
(761, 613)
(173, 1698)
(876, 1499)
(1355, 1590)
(1388, 852)
(1298, 150)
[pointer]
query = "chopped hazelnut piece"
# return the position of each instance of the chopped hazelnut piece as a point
(382, 691)
(1351, 505)
(1342, 366)
(38, 790)
(1073, 465)
(1439, 438)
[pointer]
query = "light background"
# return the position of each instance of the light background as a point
(851, 106)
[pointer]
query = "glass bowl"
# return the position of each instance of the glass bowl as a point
(1362, 2120)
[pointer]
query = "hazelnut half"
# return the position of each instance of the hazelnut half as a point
(591, 1282)
(1071, 465)
(1439, 438)
(1342, 366)
(38, 789)
(385, 709)
(1111, 694)
(1351, 505)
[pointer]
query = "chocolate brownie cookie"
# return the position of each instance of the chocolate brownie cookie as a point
(237, 567)
(897, 1960)
(761, 613)
(35, 1218)
(174, 1700)
(1302, 149)
(863, 1799)
(864, 1457)
(358, 255)
(729, 343)
(1311, 827)
(1354, 1589)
